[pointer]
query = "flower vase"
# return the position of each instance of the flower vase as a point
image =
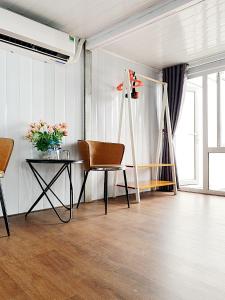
(37, 154)
(54, 153)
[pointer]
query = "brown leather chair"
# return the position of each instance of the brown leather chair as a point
(6, 147)
(101, 156)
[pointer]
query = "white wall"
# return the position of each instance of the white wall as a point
(102, 119)
(31, 90)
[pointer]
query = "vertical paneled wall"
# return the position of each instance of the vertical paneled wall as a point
(31, 90)
(103, 117)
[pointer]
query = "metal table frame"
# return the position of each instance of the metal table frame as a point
(45, 187)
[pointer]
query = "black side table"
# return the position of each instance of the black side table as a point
(65, 166)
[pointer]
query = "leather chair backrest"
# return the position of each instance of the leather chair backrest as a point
(6, 147)
(100, 153)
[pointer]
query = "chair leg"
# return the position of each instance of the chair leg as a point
(82, 188)
(126, 188)
(4, 210)
(106, 191)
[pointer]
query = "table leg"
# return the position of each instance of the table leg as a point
(51, 189)
(48, 187)
(69, 170)
(36, 174)
(106, 191)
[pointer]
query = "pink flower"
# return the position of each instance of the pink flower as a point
(33, 125)
(29, 135)
(62, 130)
(35, 128)
(56, 126)
(42, 123)
(50, 129)
(64, 125)
(42, 127)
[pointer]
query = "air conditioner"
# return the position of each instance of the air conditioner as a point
(23, 33)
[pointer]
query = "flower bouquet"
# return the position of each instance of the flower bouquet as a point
(47, 138)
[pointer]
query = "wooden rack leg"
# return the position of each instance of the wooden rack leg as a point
(120, 130)
(119, 138)
(132, 138)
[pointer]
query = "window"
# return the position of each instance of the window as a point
(185, 144)
(212, 109)
(217, 171)
(188, 139)
(222, 108)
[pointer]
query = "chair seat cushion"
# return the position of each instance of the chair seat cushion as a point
(107, 167)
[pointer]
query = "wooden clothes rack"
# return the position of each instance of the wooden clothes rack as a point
(152, 184)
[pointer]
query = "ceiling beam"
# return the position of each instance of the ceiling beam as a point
(213, 63)
(137, 21)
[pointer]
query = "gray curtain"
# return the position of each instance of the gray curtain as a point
(174, 76)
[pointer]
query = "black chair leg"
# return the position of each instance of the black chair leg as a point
(4, 211)
(106, 191)
(126, 188)
(82, 188)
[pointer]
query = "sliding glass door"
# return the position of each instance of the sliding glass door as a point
(200, 136)
(188, 138)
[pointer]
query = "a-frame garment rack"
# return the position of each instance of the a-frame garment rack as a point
(152, 184)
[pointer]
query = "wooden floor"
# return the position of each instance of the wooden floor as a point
(167, 248)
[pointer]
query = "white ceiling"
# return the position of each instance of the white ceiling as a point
(196, 32)
(82, 18)
(190, 34)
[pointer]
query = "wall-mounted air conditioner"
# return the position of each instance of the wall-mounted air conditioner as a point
(23, 33)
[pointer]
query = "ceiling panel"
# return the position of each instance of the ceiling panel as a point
(195, 32)
(82, 18)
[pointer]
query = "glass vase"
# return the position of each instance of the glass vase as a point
(37, 154)
(54, 153)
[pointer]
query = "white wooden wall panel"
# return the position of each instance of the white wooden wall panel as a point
(25, 117)
(38, 98)
(74, 111)
(49, 116)
(12, 98)
(31, 90)
(107, 73)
